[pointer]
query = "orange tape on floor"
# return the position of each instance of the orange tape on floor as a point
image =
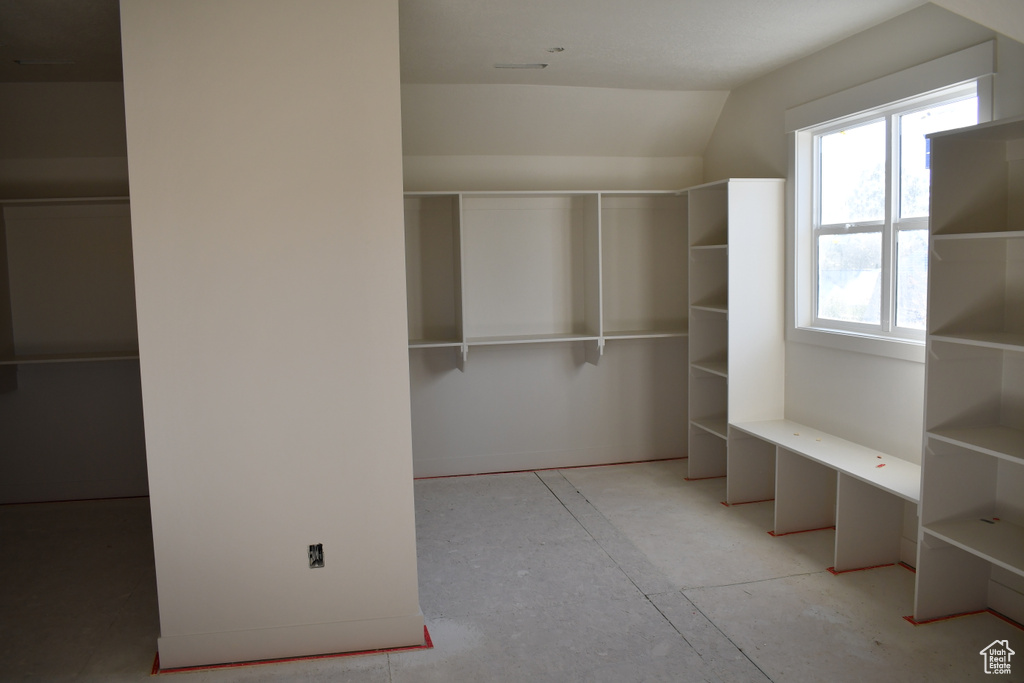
(427, 645)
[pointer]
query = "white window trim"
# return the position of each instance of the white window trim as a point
(973, 64)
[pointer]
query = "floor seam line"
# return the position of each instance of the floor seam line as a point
(589, 533)
(751, 583)
(674, 627)
(640, 590)
(731, 642)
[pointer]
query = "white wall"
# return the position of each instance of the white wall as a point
(1004, 16)
(535, 406)
(265, 165)
(474, 172)
(871, 399)
(522, 137)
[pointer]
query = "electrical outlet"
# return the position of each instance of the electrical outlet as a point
(316, 556)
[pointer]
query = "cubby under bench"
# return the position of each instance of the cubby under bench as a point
(818, 481)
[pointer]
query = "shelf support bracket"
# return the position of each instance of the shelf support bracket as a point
(462, 357)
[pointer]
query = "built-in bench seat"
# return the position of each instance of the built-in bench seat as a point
(819, 480)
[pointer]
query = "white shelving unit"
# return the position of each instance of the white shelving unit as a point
(737, 352)
(971, 543)
(504, 268)
(67, 278)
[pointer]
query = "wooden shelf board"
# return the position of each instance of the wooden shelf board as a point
(717, 367)
(899, 477)
(99, 356)
(1006, 341)
(713, 306)
(645, 334)
(434, 343)
(1000, 543)
(995, 440)
(521, 194)
(710, 246)
(639, 193)
(1006, 234)
(45, 201)
(529, 339)
(716, 426)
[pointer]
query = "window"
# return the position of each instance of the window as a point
(858, 202)
(869, 214)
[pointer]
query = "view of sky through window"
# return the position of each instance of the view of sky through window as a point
(854, 232)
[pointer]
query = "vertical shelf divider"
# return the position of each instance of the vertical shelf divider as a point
(462, 352)
(593, 290)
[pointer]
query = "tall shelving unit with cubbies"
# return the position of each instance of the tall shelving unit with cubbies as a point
(971, 542)
(736, 291)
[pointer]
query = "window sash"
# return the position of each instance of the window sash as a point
(889, 227)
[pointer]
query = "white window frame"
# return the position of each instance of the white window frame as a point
(890, 225)
(918, 87)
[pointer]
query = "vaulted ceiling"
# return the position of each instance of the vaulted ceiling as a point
(638, 77)
(642, 44)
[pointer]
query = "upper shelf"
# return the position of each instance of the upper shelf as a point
(1005, 341)
(997, 541)
(99, 356)
(434, 343)
(53, 201)
(715, 367)
(1008, 234)
(646, 334)
(995, 440)
(713, 306)
(528, 339)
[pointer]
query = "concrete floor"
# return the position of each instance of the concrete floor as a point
(622, 573)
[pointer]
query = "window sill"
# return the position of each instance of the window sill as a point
(841, 340)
